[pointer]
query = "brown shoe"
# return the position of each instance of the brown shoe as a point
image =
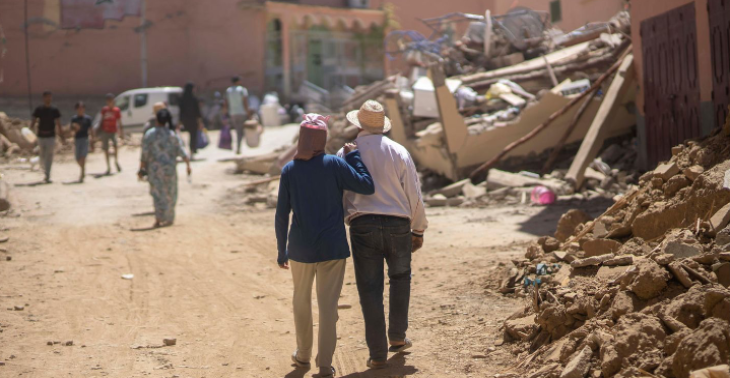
(375, 365)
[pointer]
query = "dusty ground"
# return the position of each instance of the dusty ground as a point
(211, 282)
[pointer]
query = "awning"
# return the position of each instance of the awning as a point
(302, 15)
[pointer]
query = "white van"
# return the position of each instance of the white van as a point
(136, 105)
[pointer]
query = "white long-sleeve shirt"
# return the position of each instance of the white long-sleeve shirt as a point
(397, 188)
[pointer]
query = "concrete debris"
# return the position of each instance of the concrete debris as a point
(598, 247)
(666, 171)
(595, 260)
(620, 261)
(569, 222)
(4, 195)
(719, 371)
(579, 366)
(659, 292)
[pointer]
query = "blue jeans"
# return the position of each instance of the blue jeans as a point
(377, 239)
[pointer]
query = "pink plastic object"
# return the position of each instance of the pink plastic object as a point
(542, 195)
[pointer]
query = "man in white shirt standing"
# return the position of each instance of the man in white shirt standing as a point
(238, 110)
(386, 226)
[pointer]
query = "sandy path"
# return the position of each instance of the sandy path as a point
(211, 282)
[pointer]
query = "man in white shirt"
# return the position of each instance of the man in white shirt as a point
(238, 110)
(386, 226)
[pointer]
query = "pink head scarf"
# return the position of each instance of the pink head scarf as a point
(312, 136)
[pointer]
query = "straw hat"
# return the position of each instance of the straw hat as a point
(371, 117)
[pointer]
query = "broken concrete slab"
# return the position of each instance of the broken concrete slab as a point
(591, 261)
(454, 189)
(722, 272)
(623, 83)
(580, 364)
(720, 219)
(473, 192)
(499, 179)
(666, 171)
(620, 261)
(598, 247)
(693, 172)
(680, 249)
(456, 201)
(521, 328)
(719, 371)
(437, 200)
(663, 259)
(599, 229)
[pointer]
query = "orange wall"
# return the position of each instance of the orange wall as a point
(641, 10)
(188, 40)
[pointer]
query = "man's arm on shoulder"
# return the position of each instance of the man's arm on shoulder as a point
(354, 175)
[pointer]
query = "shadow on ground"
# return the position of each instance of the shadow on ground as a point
(545, 222)
(396, 368)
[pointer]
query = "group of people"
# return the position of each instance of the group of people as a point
(46, 122)
(161, 145)
(372, 186)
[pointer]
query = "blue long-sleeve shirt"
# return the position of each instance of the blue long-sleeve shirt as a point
(313, 189)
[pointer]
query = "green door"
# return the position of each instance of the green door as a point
(315, 49)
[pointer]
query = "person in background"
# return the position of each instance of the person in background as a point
(156, 107)
(190, 116)
(311, 187)
(238, 109)
(111, 124)
(160, 149)
(81, 124)
(48, 119)
(388, 225)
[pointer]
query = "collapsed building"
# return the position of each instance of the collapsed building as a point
(453, 124)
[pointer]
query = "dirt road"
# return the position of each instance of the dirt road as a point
(212, 283)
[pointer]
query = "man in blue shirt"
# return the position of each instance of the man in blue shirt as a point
(311, 187)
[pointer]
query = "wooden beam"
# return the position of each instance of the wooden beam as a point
(539, 128)
(622, 82)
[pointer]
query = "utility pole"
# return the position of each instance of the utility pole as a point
(27, 58)
(143, 36)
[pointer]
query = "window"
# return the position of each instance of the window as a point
(556, 12)
(140, 100)
(173, 99)
(122, 103)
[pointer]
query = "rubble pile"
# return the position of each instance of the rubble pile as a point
(610, 175)
(16, 138)
(640, 291)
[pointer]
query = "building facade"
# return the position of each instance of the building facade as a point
(272, 45)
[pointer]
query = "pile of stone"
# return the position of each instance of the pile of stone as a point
(15, 136)
(640, 291)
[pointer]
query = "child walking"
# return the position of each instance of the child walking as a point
(81, 124)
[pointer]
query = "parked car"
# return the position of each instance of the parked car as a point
(136, 105)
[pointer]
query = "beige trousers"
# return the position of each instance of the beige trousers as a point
(329, 275)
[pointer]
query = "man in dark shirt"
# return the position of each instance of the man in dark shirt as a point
(48, 119)
(81, 123)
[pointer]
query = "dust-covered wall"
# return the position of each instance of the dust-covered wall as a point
(186, 40)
